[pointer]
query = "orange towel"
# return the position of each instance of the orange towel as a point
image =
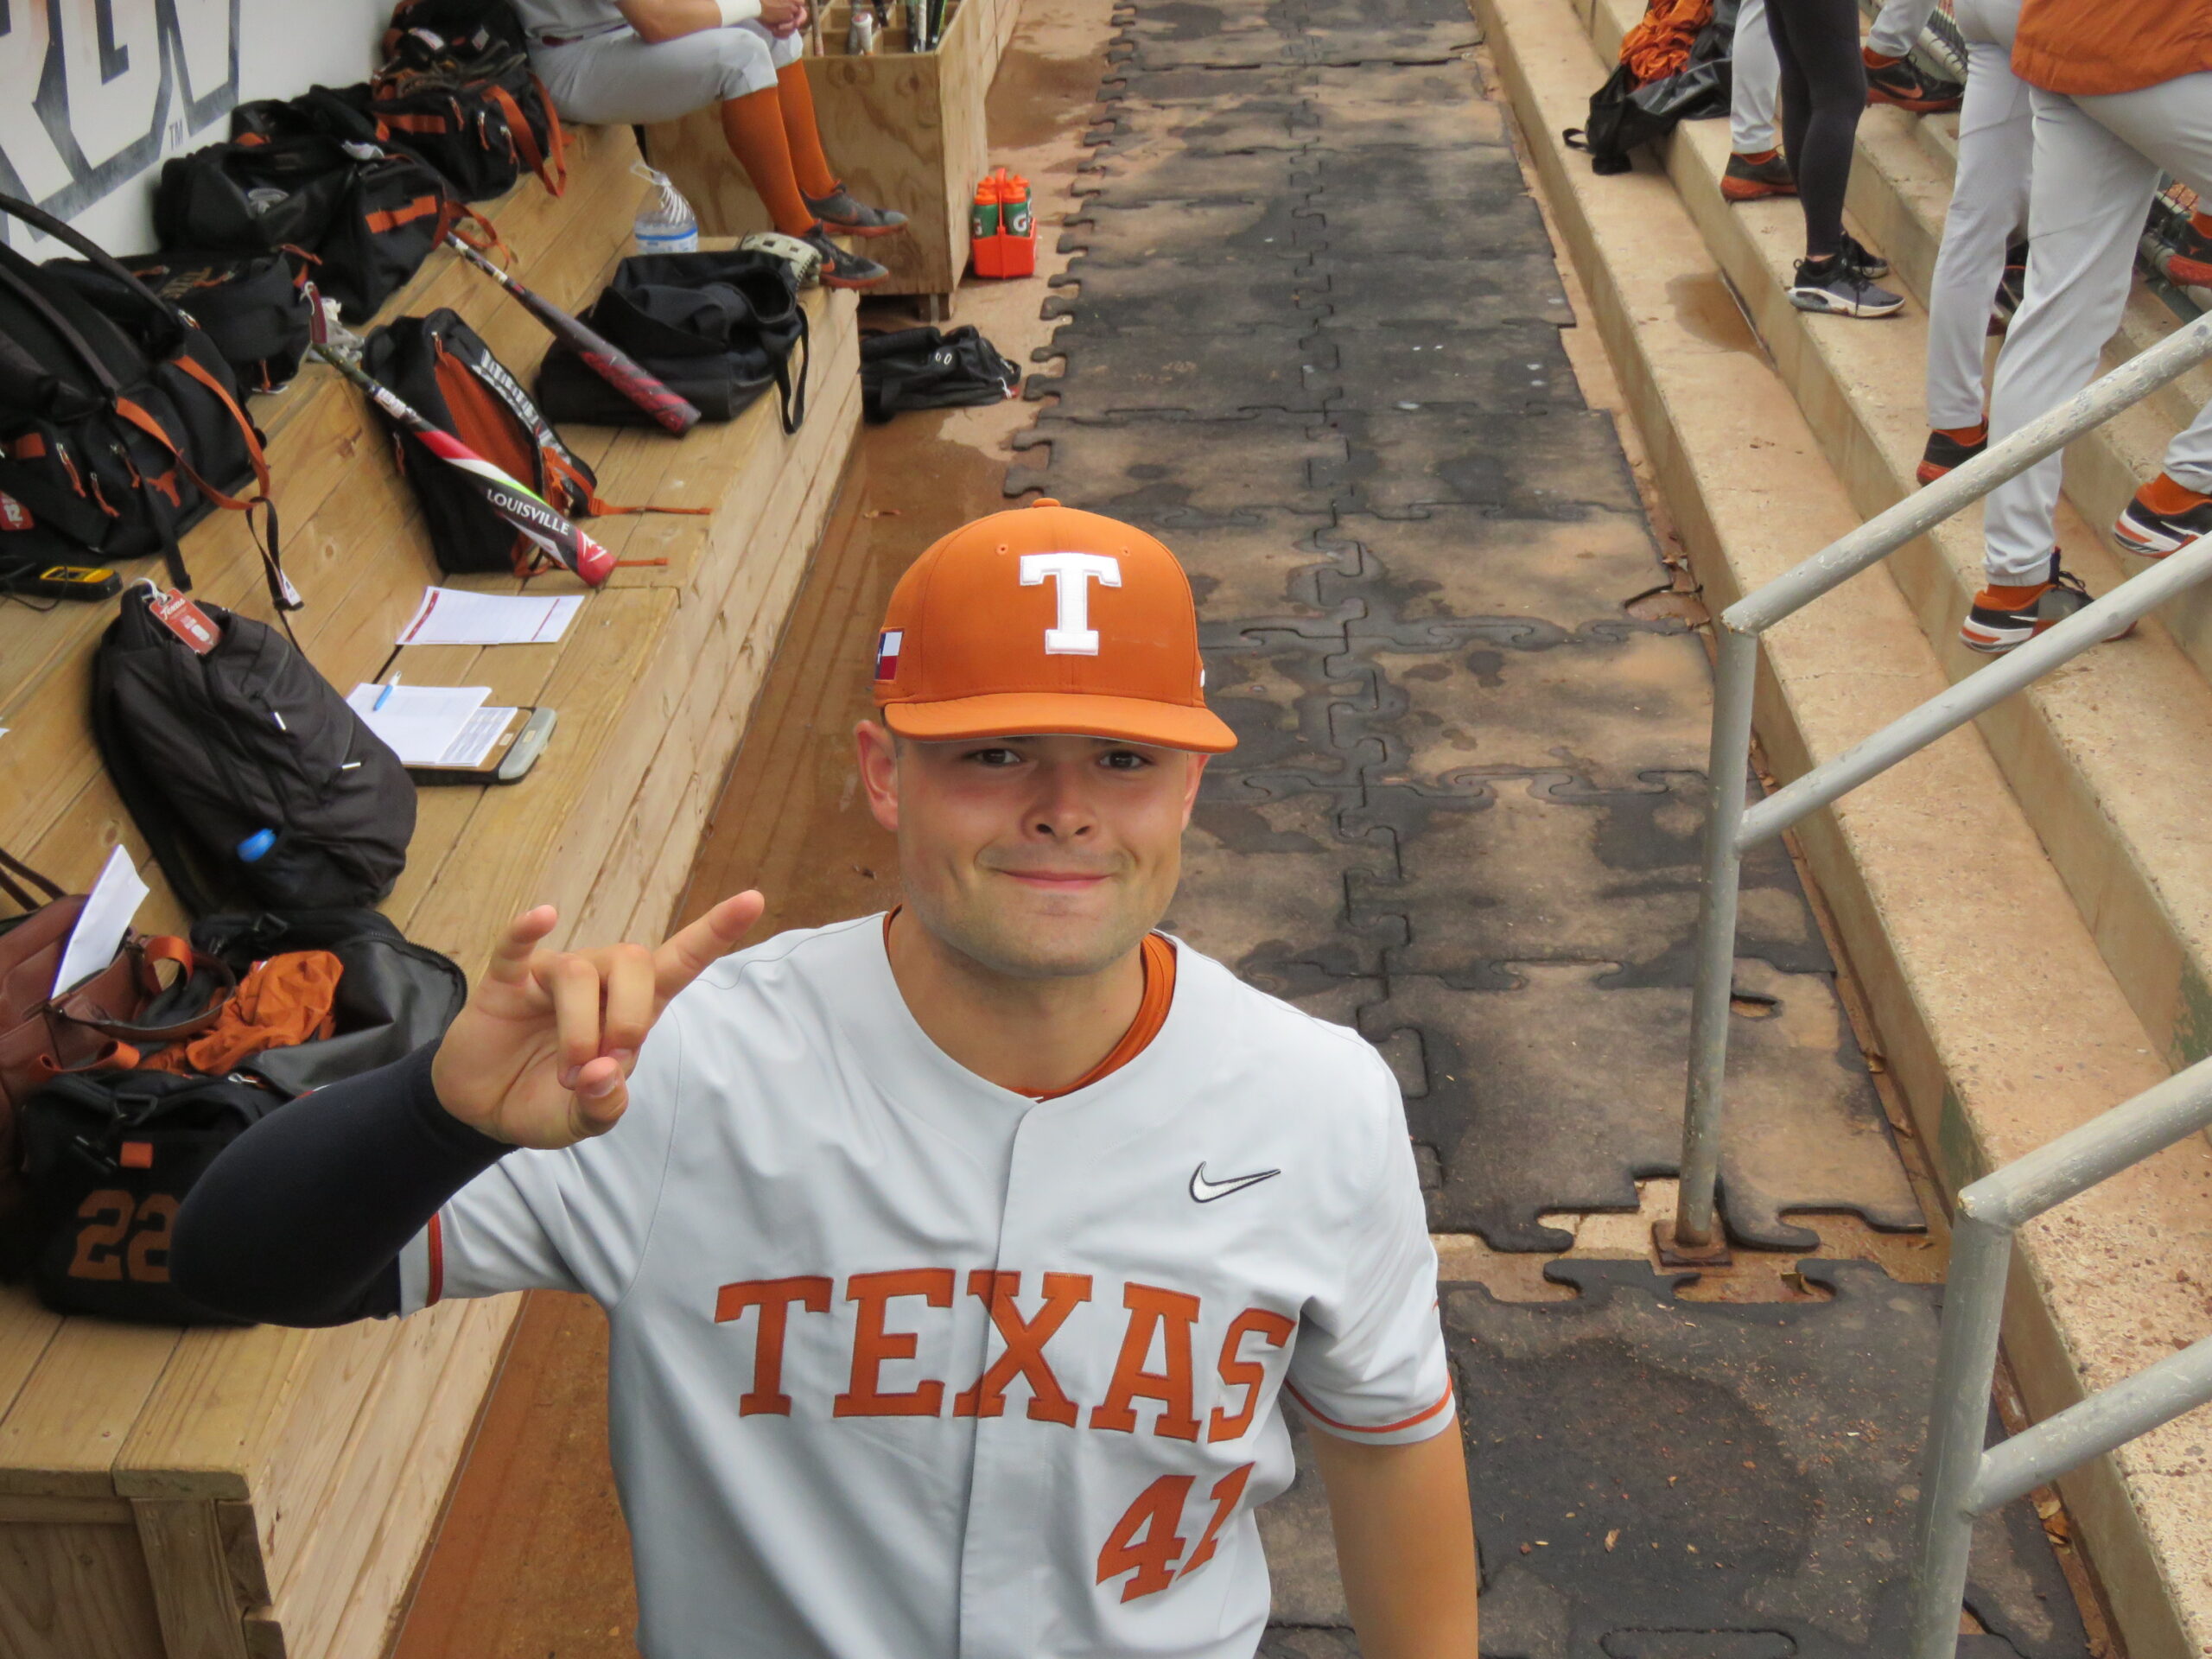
(1659, 45)
(283, 1000)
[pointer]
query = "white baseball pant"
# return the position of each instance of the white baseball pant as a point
(2097, 161)
(1755, 81)
(619, 79)
(1897, 26)
(1989, 204)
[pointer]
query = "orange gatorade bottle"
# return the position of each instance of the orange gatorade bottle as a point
(983, 225)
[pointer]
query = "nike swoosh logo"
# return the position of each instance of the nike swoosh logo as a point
(1206, 1191)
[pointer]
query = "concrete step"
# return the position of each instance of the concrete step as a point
(2112, 756)
(1999, 1015)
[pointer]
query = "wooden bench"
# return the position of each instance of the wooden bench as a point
(244, 1494)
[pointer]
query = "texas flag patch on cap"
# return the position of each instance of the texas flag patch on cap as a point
(886, 654)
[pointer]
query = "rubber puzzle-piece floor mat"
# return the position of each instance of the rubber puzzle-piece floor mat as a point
(1397, 463)
(1405, 573)
(1480, 289)
(1204, 233)
(1609, 703)
(1438, 106)
(1548, 869)
(1655, 1478)
(1282, 697)
(1768, 1450)
(1138, 175)
(1264, 877)
(1189, 475)
(1198, 375)
(1560, 1094)
(1267, 577)
(1509, 368)
(1109, 298)
(1367, 229)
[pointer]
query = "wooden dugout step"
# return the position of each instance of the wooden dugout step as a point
(246, 1494)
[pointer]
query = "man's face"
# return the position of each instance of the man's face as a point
(1036, 856)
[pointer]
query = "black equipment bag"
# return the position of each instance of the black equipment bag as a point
(473, 110)
(370, 216)
(440, 366)
(1624, 113)
(108, 1156)
(209, 751)
(925, 368)
(120, 421)
(718, 329)
(258, 309)
(394, 995)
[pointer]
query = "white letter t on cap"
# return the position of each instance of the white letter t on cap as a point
(1071, 574)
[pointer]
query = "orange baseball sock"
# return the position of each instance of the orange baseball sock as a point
(1756, 157)
(796, 97)
(1874, 59)
(1978, 433)
(2163, 495)
(753, 125)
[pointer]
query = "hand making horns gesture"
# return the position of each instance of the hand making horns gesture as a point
(542, 1053)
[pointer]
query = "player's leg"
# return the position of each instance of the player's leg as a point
(1755, 165)
(2172, 124)
(1823, 94)
(1989, 202)
(827, 198)
(2088, 194)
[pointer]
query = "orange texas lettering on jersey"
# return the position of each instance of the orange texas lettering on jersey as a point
(1157, 1318)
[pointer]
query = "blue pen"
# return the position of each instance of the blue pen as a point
(382, 694)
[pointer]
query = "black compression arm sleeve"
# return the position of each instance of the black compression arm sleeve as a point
(301, 1219)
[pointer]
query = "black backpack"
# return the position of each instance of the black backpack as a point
(370, 216)
(258, 309)
(1625, 113)
(718, 329)
(120, 421)
(209, 752)
(108, 1156)
(925, 368)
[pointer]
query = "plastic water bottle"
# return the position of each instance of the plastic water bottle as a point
(666, 223)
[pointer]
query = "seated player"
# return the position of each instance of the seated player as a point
(631, 62)
(961, 1263)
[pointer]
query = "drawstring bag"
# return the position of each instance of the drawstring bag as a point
(1661, 80)
(925, 368)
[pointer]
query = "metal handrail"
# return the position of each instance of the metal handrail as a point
(1735, 826)
(1961, 1480)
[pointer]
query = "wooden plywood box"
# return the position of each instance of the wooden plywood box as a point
(904, 130)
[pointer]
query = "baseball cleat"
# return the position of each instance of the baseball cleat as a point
(2003, 617)
(847, 216)
(1747, 179)
(1905, 84)
(2163, 517)
(1948, 449)
(840, 267)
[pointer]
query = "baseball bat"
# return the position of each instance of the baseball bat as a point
(603, 359)
(515, 502)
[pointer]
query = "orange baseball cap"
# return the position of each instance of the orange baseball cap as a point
(1045, 620)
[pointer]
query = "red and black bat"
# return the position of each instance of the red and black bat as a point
(609, 362)
(521, 506)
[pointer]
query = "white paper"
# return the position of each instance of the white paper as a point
(453, 616)
(422, 723)
(114, 899)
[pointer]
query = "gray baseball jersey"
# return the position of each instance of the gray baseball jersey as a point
(907, 1366)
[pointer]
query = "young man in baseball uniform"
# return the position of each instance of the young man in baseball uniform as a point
(959, 1263)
